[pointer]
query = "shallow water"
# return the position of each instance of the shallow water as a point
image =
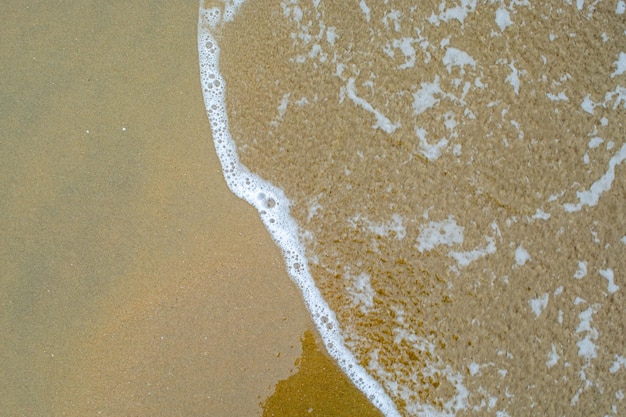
(456, 175)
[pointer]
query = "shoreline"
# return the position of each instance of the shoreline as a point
(136, 282)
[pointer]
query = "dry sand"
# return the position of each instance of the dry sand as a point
(132, 281)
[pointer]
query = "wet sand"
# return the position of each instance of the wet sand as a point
(132, 281)
(507, 307)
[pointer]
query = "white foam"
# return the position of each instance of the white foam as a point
(273, 208)
(620, 64)
(595, 142)
(365, 10)
(521, 255)
(459, 12)
(503, 18)
(384, 229)
(382, 122)
(540, 214)
(405, 45)
(588, 105)
(428, 151)
(553, 357)
(424, 99)
(467, 257)
(620, 362)
(581, 271)
(592, 196)
(608, 274)
(586, 347)
(539, 304)
(362, 292)
(473, 368)
(557, 97)
(513, 77)
(446, 232)
(457, 58)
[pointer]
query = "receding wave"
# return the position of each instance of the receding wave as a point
(446, 182)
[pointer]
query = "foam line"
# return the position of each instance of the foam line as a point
(273, 208)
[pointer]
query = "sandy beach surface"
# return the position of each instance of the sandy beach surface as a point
(456, 170)
(132, 282)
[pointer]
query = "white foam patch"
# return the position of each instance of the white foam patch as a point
(541, 215)
(446, 232)
(331, 35)
(473, 368)
(362, 292)
(553, 357)
(273, 208)
(592, 196)
(588, 105)
(619, 363)
(539, 304)
(465, 258)
(586, 346)
(503, 18)
(521, 255)
(595, 142)
(581, 271)
(405, 45)
(620, 8)
(394, 225)
(365, 10)
(281, 110)
(457, 58)
(620, 64)
(557, 97)
(513, 78)
(428, 151)
(610, 277)
(382, 122)
(433, 366)
(458, 12)
(424, 98)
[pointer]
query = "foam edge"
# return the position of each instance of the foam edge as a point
(273, 208)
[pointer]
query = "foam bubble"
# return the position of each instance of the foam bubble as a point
(273, 208)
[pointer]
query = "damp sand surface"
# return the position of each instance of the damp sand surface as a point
(457, 174)
(133, 281)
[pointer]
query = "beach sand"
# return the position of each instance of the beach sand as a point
(459, 188)
(133, 282)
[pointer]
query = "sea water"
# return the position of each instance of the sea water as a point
(446, 182)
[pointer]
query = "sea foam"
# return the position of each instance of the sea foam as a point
(273, 208)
